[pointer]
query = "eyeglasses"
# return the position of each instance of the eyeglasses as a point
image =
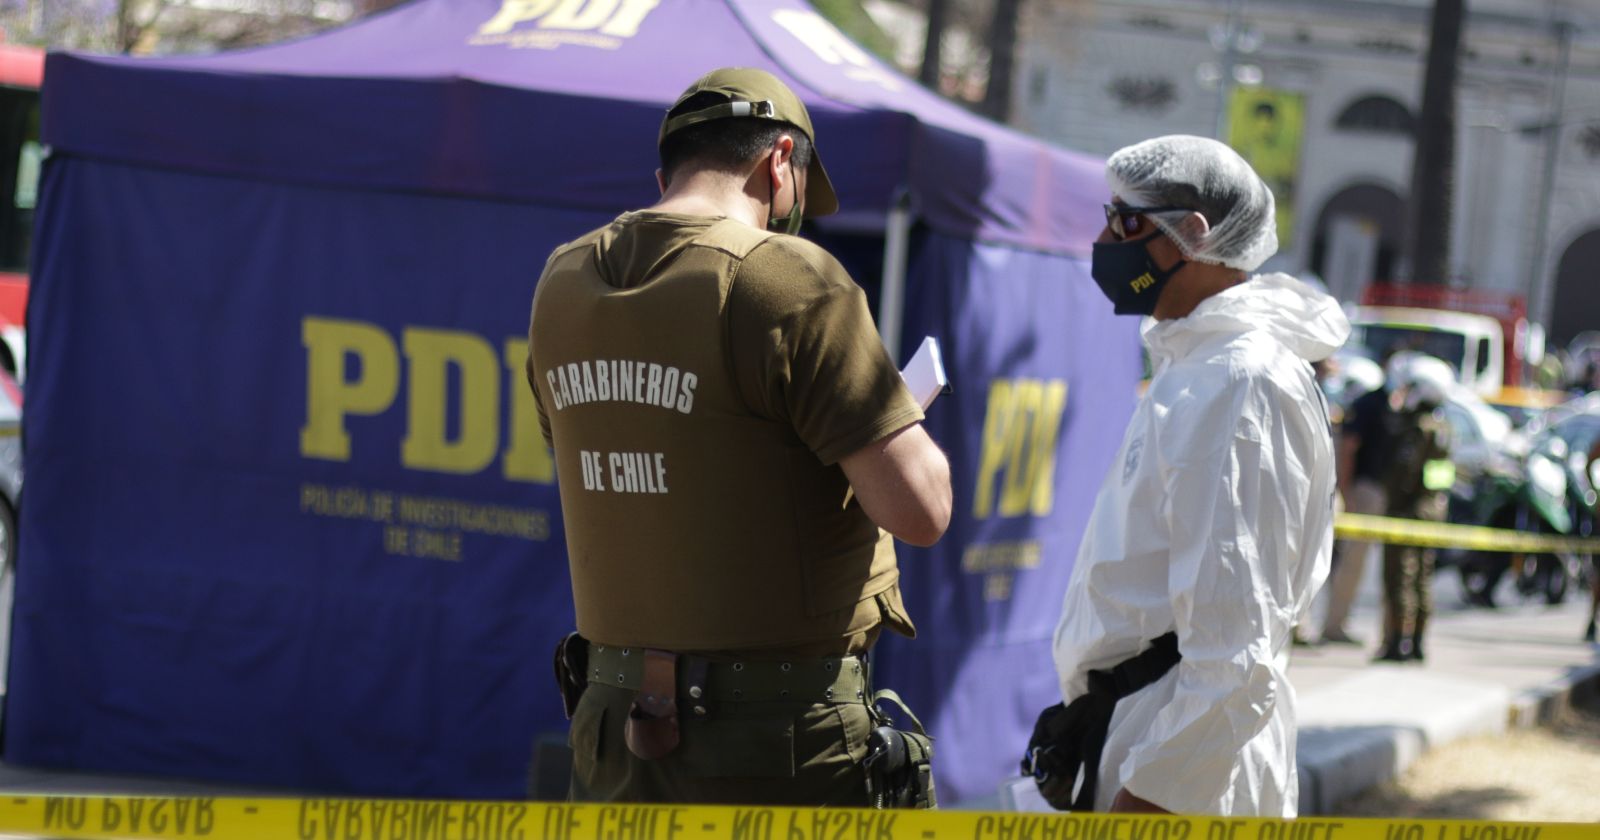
(1124, 221)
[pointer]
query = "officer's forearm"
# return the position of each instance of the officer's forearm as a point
(903, 484)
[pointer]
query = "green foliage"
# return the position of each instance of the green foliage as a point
(854, 21)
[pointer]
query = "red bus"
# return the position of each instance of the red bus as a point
(21, 72)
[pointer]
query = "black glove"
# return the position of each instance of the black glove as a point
(1068, 739)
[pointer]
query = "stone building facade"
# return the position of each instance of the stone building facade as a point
(1095, 75)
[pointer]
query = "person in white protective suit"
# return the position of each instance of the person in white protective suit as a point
(1214, 525)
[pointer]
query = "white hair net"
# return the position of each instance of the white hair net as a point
(1204, 176)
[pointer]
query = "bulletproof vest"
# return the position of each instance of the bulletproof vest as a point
(692, 524)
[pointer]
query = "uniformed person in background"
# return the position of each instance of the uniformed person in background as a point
(1417, 478)
(713, 391)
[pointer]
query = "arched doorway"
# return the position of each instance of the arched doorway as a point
(1378, 114)
(1358, 238)
(1577, 300)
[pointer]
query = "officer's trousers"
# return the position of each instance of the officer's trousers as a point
(1407, 593)
(766, 753)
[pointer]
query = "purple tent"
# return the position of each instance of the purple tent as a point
(287, 522)
(466, 98)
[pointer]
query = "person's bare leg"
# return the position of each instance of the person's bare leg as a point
(1127, 803)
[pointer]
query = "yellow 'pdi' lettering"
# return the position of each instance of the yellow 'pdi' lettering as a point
(617, 18)
(332, 398)
(1019, 436)
(1142, 282)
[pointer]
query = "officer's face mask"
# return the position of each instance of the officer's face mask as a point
(1127, 274)
(790, 223)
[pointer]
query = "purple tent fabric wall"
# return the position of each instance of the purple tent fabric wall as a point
(201, 599)
(1044, 382)
(287, 519)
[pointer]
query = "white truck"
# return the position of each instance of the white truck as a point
(1483, 333)
(1473, 344)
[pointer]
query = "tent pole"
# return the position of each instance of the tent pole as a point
(896, 246)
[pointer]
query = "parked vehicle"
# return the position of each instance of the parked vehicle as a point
(1530, 496)
(1522, 405)
(21, 156)
(1571, 431)
(10, 497)
(1484, 334)
(1553, 575)
(1551, 491)
(1494, 487)
(1483, 438)
(1576, 422)
(1469, 343)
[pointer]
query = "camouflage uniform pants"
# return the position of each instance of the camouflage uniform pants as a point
(1407, 592)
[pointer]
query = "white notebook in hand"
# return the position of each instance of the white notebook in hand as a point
(924, 376)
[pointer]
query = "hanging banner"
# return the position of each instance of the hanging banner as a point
(1265, 127)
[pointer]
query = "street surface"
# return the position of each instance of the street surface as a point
(1520, 645)
(1363, 722)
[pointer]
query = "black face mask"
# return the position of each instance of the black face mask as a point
(1127, 274)
(789, 224)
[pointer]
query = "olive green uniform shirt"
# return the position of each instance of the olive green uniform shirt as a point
(698, 381)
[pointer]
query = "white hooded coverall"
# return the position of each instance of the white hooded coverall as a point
(1216, 522)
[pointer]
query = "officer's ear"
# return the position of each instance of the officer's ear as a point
(778, 162)
(661, 182)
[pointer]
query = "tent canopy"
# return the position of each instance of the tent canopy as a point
(521, 101)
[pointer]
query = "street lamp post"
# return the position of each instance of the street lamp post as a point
(1229, 46)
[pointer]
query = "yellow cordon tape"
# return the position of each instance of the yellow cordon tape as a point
(1384, 529)
(355, 819)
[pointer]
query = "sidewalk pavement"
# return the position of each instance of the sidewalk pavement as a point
(1364, 723)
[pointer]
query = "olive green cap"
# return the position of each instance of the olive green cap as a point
(758, 94)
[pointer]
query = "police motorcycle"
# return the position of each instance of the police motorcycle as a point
(1583, 499)
(1567, 435)
(1553, 575)
(1510, 479)
(1537, 494)
(1488, 455)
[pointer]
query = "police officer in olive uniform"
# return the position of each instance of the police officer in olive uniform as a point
(735, 452)
(1417, 479)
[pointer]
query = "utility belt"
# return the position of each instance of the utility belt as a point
(668, 685)
(1069, 738)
